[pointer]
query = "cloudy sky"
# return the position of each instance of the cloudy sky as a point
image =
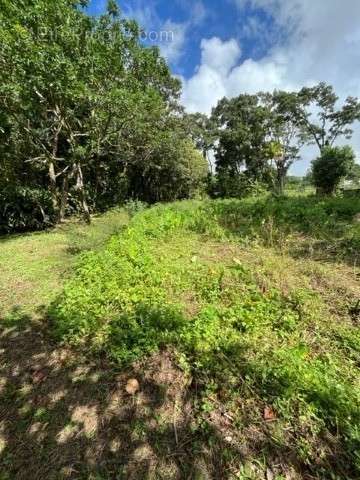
(227, 47)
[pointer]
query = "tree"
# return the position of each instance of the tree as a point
(284, 139)
(334, 164)
(314, 110)
(195, 169)
(81, 102)
(242, 124)
(201, 129)
(257, 137)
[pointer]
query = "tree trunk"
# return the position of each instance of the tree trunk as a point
(53, 189)
(52, 175)
(64, 197)
(81, 189)
(280, 183)
(281, 171)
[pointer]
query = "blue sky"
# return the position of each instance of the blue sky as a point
(201, 19)
(224, 48)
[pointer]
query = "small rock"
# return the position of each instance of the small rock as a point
(132, 386)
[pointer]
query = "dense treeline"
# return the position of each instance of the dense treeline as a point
(259, 137)
(90, 117)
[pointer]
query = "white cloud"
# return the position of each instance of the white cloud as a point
(323, 44)
(173, 45)
(220, 56)
(218, 75)
(208, 84)
(168, 35)
(202, 91)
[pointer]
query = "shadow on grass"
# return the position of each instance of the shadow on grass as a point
(64, 416)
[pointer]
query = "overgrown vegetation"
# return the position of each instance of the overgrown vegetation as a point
(90, 117)
(194, 339)
(180, 277)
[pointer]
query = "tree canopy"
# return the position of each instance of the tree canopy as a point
(90, 117)
(87, 111)
(260, 136)
(333, 165)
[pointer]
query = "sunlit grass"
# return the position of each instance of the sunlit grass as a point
(34, 266)
(256, 299)
(247, 312)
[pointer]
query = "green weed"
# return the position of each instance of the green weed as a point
(159, 284)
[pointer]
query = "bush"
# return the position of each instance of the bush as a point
(25, 208)
(334, 164)
(224, 185)
(132, 207)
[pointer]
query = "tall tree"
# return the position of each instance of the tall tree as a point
(284, 136)
(242, 131)
(316, 112)
(81, 99)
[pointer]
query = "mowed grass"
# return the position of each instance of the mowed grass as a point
(239, 319)
(34, 266)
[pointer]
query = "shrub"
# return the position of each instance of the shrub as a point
(224, 185)
(25, 208)
(135, 206)
(334, 164)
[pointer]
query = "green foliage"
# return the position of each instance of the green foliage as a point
(202, 131)
(242, 129)
(91, 117)
(328, 123)
(133, 207)
(262, 134)
(23, 208)
(333, 165)
(256, 134)
(133, 298)
(88, 113)
(178, 172)
(194, 170)
(225, 185)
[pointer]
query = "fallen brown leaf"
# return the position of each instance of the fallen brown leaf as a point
(269, 414)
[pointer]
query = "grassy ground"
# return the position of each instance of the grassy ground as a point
(239, 320)
(34, 266)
